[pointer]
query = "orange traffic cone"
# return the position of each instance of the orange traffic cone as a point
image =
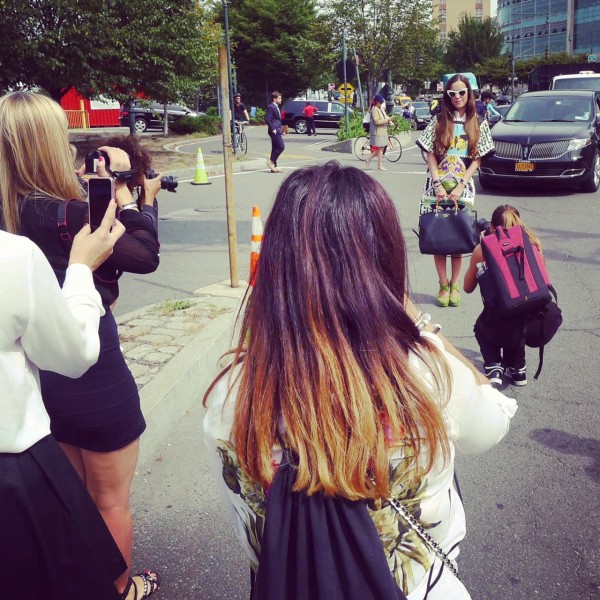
(255, 243)
(200, 177)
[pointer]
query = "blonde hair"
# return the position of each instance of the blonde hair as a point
(35, 155)
(506, 216)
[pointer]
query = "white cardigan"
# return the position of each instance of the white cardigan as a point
(477, 417)
(40, 327)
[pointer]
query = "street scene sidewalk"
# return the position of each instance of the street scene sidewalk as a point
(173, 349)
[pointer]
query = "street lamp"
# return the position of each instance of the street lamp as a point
(231, 100)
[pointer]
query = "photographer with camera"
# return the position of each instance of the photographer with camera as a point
(96, 418)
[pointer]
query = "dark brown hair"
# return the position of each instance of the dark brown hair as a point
(444, 130)
(139, 157)
(325, 341)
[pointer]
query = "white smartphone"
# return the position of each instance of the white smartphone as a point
(101, 190)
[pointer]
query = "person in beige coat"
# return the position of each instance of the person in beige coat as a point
(378, 131)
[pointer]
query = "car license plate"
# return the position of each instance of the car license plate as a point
(524, 167)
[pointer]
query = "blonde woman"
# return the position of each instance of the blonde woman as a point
(501, 340)
(334, 374)
(455, 143)
(96, 418)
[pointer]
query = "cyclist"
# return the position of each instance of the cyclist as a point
(240, 113)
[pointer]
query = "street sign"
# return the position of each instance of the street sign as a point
(591, 57)
(346, 92)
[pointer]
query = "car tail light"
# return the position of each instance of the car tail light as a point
(124, 113)
(283, 114)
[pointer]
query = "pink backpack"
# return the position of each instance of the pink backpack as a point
(517, 269)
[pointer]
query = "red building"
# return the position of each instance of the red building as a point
(83, 113)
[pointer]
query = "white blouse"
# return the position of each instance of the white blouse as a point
(477, 418)
(40, 327)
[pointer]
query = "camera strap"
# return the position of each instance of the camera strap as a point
(62, 225)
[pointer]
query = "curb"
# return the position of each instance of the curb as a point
(183, 380)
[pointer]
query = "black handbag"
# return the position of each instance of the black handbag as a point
(448, 231)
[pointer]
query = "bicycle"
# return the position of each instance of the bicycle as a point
(241, 141)
(393, 150)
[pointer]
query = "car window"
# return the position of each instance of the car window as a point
(337, 108)
(322, 106)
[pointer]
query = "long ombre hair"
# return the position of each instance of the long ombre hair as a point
(506, 216)
(444, 128)
(326, 342)
(35, 155)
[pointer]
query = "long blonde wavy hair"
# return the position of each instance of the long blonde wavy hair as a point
(326, 341)
(35, 155)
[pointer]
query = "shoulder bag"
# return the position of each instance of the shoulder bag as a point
(448, 231)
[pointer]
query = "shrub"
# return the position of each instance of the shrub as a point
(212, 111)
(210, 125)
(355, 127)
(259, 117)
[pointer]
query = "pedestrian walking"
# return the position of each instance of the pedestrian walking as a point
(275, 128)
(378, 132)
(455, 143)
(357, 425)
(309, 112)
(96, 418)
(501, 339)
(54, 543)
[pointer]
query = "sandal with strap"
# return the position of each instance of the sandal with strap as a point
(443, 297)
(454, 298)
(151, 585)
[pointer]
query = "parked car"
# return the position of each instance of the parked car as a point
(547, 136)
(422, 116)
(330, 114)
(503, 99)
(493, 119)
(149, 115)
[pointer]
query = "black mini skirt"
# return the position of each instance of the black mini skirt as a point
(100, 411)
(54, 544)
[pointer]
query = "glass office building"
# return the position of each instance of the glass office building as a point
(534, 28)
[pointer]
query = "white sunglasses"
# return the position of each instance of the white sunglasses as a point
(453, 93)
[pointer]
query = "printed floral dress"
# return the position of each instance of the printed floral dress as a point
(454, 165)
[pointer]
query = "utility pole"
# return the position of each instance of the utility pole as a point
(345, 83)
(224, 80)
(360, 96)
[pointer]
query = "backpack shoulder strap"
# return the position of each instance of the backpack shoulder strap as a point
(61, 224)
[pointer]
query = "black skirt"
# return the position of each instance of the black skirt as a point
(54, 544)
(99, 411)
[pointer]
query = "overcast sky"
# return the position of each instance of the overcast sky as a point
(493, 8)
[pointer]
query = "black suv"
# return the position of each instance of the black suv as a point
(149, 115)
(330, 114)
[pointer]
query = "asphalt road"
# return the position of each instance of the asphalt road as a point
(532, 503)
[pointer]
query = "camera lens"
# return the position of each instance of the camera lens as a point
(169, 183)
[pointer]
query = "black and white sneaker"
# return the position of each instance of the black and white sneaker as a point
(518, 375)
(494, 372)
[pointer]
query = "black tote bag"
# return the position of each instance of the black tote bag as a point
(448, 231)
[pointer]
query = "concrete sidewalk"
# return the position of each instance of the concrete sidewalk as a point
(173, 349)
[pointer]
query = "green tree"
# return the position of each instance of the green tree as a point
(275, 45)
(111, 47)
(392, 34)
(473, 42)
(495, 71)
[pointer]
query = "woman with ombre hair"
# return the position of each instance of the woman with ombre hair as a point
(334, 377)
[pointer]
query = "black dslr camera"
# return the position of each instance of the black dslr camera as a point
(168, 182)
(483, 226)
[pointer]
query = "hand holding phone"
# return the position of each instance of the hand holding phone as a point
(101, 190)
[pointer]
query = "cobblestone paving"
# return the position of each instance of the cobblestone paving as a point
(150, 338)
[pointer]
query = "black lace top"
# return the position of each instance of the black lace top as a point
(137, 251)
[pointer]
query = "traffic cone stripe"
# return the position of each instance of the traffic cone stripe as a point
(200, 177)
(255, 243)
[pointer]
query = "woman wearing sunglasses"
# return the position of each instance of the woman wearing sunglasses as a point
(455, 142)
